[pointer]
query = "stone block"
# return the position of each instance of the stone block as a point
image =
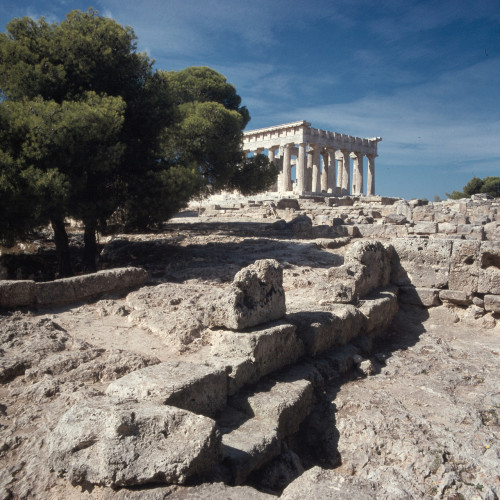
(447, 228)
(250, 446)
(397, 219)
(55, 292)
(15, 293)
(290, 203)
(197, 388)
(464, 265)
(458, 297)
(101, 443)
(492, 303)
(321, 330)
(489, 273)
(285, 403)
(421, 262)
(78, 288)
(379, 309)
(248, 356)
(427, 297)
(425, 228)
(256, 296)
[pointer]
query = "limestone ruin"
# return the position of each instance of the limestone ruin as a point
(308, 346)
(327, 168)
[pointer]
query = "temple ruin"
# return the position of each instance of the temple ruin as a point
(322, 158)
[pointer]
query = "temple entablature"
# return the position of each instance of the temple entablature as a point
(322, 158)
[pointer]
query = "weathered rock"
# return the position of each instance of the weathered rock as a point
(301, 226)
(197, 388)
(249, 446)
(101, 443)
(379, 309)
(421, 262)
(16, 293)
(464, 265)
(489, 274)
(210, 491)
(285, 203)
(492, 303)
(427, 297)
(255, 297)
(321, 330)
(78, 288)
(458, 297)
(248, 356)
(330, 484)
(395, 219)
(285, 402)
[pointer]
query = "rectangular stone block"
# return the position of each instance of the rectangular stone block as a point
(321, 330)
(492, 303)
(425, 228)
(14, 293)
(421, 262)
(250, 446)
(427, 297)
(249, 355)
(379, 310)
(458, 297)
(489, 274)
(464, 265)
(197, 388)
(285, 403)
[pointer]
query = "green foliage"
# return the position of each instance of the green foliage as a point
(89, 129)
(254, 175)
(488, 185)
(202, 84)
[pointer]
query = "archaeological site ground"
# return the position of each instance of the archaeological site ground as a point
(317, 346)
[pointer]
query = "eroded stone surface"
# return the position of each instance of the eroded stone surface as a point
(103, 443)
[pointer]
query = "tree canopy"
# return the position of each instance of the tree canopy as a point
(488, 185)
(89, 129)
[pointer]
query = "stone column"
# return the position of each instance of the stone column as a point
(286, 179)
(357, 174)
(346, 173)
(370, 184)
(340, 172)
(270, 154)
(258, 151)
(316, 184)
(324, 172)
(331, 171)
(309, 170)
(300, 168)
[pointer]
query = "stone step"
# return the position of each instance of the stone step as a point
(256, 421)
(249, 355)
(194, 387)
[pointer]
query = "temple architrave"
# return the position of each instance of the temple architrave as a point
(322, 159)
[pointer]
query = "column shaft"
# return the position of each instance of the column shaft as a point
(309, 170)
(324, 172)
(370, 184)
(331, 171)
(271, 154)
(300, 169)
(346, 174)
(357, 169)
(286, 180)
(316, 181)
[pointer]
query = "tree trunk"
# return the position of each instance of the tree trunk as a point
(90, 250)
(62, 247)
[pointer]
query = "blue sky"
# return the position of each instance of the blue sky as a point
(423, 75)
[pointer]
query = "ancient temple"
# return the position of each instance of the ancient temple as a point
(322, 158)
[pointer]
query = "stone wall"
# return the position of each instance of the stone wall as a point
(29, 293)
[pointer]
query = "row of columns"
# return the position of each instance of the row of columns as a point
(332, 178)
